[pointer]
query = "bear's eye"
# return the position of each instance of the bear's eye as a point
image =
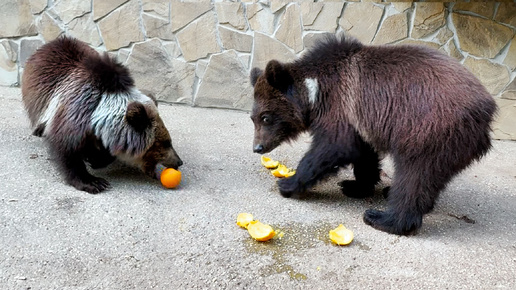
(266, 120)
(167, 144)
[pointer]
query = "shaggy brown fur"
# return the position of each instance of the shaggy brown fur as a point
(424, 108)
(86, 107)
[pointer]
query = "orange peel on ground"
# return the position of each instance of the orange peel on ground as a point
(243, 219)
(259, 231)
(341, 235)
(283, 171)
(269, 163)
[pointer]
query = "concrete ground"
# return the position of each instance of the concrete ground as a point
(139, 235)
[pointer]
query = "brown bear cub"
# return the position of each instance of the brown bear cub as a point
(424, 108)
(87, 108)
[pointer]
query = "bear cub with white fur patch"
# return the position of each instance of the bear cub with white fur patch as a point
(86, 107)
(421, 106)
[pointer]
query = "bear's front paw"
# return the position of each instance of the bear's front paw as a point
(391, 223)
(290, 187)
(92, 185)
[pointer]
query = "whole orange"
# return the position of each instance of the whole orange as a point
(170, 178)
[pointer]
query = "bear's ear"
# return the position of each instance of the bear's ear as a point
(138, 116)
(255, 73)
(278, 76)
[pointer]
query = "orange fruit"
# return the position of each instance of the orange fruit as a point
(269, 163)
(170, 178)
(283, 171)
(260, 232)
(244, 219)
(341, 236)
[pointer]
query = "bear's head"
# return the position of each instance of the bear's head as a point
(143, 117)
(278, 114)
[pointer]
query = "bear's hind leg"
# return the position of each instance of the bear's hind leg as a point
(413, 193)
(367, 174)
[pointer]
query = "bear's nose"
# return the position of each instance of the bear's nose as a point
(258, 148)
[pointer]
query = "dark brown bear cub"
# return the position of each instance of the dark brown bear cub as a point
(87, 108)
(424, 108)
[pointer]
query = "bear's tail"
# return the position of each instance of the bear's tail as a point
(107, 75)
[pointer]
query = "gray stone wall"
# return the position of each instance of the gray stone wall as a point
(200, 52)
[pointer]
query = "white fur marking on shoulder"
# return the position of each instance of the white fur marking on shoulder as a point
(51, 110)
(109, 124)
(313, 89)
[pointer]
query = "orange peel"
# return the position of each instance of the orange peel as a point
(243, 219)
(283, 171)
(341, 235)
(269, 163)
(259, 231)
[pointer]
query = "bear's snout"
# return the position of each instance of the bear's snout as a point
(258, 149)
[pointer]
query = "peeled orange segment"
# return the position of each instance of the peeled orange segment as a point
(283, 171)
(341, 236)
(269, 163)
(243, 219)
(260, 232)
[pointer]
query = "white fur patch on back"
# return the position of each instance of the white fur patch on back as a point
(109, 124)
(50, 112)
(313, 89)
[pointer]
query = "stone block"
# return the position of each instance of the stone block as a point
(394, 28)
(510, 58)
(157, 8)
(200, 68)
(485, 9)
(48, 27)
(122, 26)
(444, 35)
(278, 4)
(326, 19)
(8, 64)
(173, 49)
(510, 92)
(361, 20)
(70, 9)
(199, 38)
(154, 71)
(27, 48)
(310, 11)
(506, 13)
(182, 13)
(267, 48)
(503, 127)
(102, 8)
(231, 13)
(232, 39)
(290, 31)
(312, 38)
(157, 27)
(262, 21)
(454, 51)
(481, 37)
(492, 75)
(85, 29)
(225, 83)
(429, 17)
(37, 6)
(20, 23)
(401, 6)
(420, 42)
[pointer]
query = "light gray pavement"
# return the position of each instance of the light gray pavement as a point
(138, 235)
